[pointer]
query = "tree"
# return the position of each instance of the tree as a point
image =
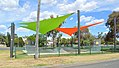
(21, 42)
(8, 40)
(3, 39)
(63, 41)
(47, 35)
(85, 37)
(59, 39)
(42, 40)
(16, 42)
(53, 33)
(110, 24)
(37, 32)
(31, 39)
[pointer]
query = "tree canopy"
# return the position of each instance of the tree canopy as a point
(110, 25)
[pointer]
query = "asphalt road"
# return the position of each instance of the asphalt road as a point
(4, 48)
(106, 64)
(109, 64)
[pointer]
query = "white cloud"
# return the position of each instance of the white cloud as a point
(47, 14)
(31, 17)
(24, 8)
(107, 29)
(13, 5)
(105, 32)
(17, 30)
(13, 13)
(66, 36)
(82, 5)
(95, 20)
(107, 5)
(9, 4)
(43, 15)
(116, 9)
(71, 18)
(86, 19)
(88, 5)
(48, 2)
(3, 27)
(20, 29)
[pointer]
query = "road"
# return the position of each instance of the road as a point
(4, 48)
(106, 64)
(109, 64)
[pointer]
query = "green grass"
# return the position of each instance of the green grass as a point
(82, 54)
(21, 55)
(42, 65)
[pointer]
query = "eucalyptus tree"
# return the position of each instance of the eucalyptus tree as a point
(59, 39)
(110, 25)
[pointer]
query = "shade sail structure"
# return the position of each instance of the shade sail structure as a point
(83, 27)
(68, 31)
(46, 25)
(71, 31)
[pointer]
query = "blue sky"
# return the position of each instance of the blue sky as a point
(25, 10)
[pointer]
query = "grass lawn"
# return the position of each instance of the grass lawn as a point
(24, 61)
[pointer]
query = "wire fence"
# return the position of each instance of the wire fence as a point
(61, 50)
(30, 50)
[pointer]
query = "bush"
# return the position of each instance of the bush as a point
(105, 49)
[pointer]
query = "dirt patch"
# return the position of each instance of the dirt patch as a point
(29, 62)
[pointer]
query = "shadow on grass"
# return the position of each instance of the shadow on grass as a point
(22, 55)
(82, 54)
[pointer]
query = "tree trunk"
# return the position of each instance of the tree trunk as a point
(37, 32)
(53, 43)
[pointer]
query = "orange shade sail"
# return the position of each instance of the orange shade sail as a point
(68, 31)
(71, 31)
(83, 27)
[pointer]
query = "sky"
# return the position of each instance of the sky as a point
(91, 11)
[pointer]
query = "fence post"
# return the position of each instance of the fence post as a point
(90, 49)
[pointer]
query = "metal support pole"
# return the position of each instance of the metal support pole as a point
(37, 32)
(71, 41)
(12, 39)
(114, 34)
(78, 13)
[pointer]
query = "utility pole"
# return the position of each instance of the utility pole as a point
(114, 34)
(78, 14)
(12, 39)
(37, 32)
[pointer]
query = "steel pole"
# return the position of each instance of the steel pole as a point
(78, 14)
(12, 39)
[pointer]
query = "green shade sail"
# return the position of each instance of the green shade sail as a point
(46, 25)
